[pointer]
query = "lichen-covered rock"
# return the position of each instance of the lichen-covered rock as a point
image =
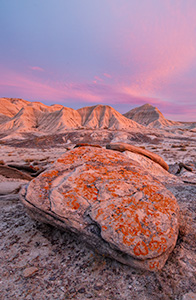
(157, 171)
(121, 147)
(111, 202)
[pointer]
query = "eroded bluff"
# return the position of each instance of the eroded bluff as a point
(111, 202)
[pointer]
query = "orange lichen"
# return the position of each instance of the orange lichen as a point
(128, 241)
(50, 174)
(99, 212)
(140, 249)
(104, 227)
(154, 265)
(154, 245)
(71, 200)
(75, 205)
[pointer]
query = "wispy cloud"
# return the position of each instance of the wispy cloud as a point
(107, 75)
(35, 68)
(129, 54)
(78, 93)
(158, 48)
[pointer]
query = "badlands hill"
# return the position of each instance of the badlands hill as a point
(24, 116)
(104, 116)
(151, 117)
(18, 115)
(10, 107)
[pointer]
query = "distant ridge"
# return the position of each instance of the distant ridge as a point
(18, 115)
(151, 117)
(36, 116)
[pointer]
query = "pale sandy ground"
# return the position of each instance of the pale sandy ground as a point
(24, 155)
(64, 268)
(172, 145)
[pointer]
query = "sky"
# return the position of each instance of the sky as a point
(122, 53)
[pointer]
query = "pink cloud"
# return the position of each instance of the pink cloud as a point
(30, 88)
(36, 68)
(97, 79)
(107, 75)
(161, 47)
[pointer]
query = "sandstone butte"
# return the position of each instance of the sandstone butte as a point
(110, 202)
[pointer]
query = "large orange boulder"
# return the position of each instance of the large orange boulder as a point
(111, 202)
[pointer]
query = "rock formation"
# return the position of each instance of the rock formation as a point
(110, 202)
(18, 115)
(9, 172)
(150, 116)
(104, 116)
(36, 116)
(11, 106)
(127, 147)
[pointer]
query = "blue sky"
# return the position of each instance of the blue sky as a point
(121, 53)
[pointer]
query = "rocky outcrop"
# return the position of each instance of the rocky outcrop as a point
(105, 117)
(149, 116)
(110, 202)
(9, 107)
(153, 168)
(127, 147)
(39, 117)
(185, 172)
(60, 120)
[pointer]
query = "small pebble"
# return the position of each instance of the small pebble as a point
(29, 271)
(98, 287)
(82, 290)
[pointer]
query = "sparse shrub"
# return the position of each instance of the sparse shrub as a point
(2, 162)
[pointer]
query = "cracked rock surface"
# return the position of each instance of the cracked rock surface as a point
(110, 202)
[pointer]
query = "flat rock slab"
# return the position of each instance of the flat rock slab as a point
(111, 202)
(9, 187)
(28, 272)
(13, 173)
